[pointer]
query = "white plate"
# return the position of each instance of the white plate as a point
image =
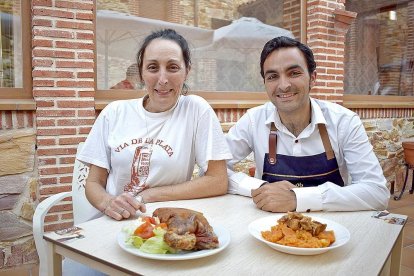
(342, 235)
(222, 233)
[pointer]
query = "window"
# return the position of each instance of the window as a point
(15, 49)
(226, 38)
(380, 49)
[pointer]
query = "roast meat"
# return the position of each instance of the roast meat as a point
(187, 229)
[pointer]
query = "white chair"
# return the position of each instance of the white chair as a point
(82, 209)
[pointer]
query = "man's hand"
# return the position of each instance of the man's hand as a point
(275, 197)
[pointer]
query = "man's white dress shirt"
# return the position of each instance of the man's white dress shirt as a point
(366, 190)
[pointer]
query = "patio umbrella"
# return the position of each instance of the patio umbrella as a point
(119, 35)
(236, 49)
(247, 33)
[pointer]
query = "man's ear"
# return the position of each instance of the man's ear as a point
(312, 80)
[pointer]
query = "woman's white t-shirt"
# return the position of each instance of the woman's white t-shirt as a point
(138, 146)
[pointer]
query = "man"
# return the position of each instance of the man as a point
(304, 148)
(132, 79)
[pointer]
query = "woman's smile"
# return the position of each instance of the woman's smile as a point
(163, 91)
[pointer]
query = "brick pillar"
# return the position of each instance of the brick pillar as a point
(351, 58)
(133, 7)
(291, 17)
(175, 13)
(327, 40)
(63, 88)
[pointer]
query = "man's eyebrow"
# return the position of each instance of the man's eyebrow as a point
(291, 67)
(295, 66)
(270, 72)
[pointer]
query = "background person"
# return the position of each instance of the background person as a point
(304, 148)
(131, 80)
(149, 146)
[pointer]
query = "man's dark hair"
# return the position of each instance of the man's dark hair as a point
(287, 42)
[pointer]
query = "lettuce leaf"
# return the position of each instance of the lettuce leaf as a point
(135, 241)
(156, 244)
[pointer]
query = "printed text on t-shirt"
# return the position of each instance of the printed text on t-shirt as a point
(149, 141)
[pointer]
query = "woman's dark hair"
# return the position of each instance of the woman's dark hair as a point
(167, 34)
(287, 42)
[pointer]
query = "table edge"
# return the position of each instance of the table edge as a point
(394, 243)
(92, 257)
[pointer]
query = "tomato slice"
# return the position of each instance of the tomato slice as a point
(150, 220)
(145, 230)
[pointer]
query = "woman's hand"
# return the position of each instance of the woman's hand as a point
(123, 206)
(117, 207)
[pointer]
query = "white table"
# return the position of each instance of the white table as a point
(374, 248)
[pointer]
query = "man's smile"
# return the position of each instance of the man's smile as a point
(285, 95)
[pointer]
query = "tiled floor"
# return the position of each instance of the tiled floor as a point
(404, 206)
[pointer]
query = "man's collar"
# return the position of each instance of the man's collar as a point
(271, 114)
(273, 117)
(317, 115)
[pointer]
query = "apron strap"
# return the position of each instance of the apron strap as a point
(326, 142)
(272, 144)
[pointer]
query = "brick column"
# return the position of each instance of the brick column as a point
(291, 17)
(176, 10)
(63, 88)
(327, 41)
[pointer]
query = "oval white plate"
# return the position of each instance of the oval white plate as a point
(222, 233)
(342, 235)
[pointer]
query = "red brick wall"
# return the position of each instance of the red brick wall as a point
(328, 45)
(176, 14)
(16, 119)
(291, 17)
(63, 88)
(229, 115)
(380, 113)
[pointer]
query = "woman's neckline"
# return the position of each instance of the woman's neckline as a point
(158, 114)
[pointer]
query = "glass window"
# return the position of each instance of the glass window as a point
(11, 61)
(380, 48)
(226, 38)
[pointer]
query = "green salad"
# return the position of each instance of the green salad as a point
(147, 235)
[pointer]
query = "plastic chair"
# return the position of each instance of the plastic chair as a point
(82, 209)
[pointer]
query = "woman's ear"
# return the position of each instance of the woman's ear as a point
(187, 71)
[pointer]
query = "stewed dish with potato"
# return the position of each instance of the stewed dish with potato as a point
(297, 230)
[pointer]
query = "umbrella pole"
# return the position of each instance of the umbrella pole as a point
(106, 60)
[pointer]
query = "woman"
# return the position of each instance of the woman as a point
(144, 150)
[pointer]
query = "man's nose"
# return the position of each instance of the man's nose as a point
(284, 83)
